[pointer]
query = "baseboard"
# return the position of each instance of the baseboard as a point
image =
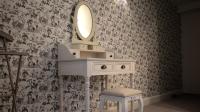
(191, 92)
(158, 98)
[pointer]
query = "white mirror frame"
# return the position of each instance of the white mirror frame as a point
(92, 33)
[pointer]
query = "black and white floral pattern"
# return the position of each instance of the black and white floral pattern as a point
(144, 30)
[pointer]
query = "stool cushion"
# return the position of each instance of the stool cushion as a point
(121, 92)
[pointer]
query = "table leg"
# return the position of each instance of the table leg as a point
(125, 105)
(119, 107)
(141, 104)
(131, 86)
(61, 93)
(106, 88)
(87, 93)
(102, 83)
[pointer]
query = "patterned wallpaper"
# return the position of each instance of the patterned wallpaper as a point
(147, 31)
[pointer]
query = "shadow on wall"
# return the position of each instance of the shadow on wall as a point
(169, 50)
(164, 71)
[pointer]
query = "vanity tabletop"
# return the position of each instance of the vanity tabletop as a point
(97, 59)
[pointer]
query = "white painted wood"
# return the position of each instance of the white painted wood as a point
(87, 93)
(106, 87)
(123, 102)
(119, 108)
(110, 55)
(89, 63)
(118, 66)
(64, 53)
(101, 105)
(94, 67)
(73, 68)
(61, 93)
(141, 104)
(124, 105)
(131, 86)
(132, 106)
(98, 67)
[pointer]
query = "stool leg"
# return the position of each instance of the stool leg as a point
(125, 105)
(101, 104)
(119, 107)
(132, 105)
(141, 105)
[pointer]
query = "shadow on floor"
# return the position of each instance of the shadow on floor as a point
(178, 103)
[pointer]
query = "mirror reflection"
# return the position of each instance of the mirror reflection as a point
(84, 21)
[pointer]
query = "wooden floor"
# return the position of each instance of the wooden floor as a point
(181, 103)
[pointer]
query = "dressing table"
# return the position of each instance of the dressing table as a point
(84, 57)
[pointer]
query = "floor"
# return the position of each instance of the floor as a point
(178, 103)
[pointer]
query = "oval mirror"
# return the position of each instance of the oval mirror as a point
(84, 21)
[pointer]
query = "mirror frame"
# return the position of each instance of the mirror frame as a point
(92, 33)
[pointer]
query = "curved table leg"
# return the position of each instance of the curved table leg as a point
(140, 101)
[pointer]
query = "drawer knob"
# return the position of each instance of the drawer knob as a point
(103, 67)
(123, 67)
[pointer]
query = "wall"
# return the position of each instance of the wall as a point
(144, 30)
(190, 50)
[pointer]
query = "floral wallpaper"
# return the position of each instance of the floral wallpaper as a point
(147, 31)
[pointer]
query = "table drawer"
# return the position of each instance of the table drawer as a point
(118, 66)
(102, 67)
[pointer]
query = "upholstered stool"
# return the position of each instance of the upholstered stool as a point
(122, 96)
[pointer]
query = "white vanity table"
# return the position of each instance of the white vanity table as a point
(84, 57)
(88, 67)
